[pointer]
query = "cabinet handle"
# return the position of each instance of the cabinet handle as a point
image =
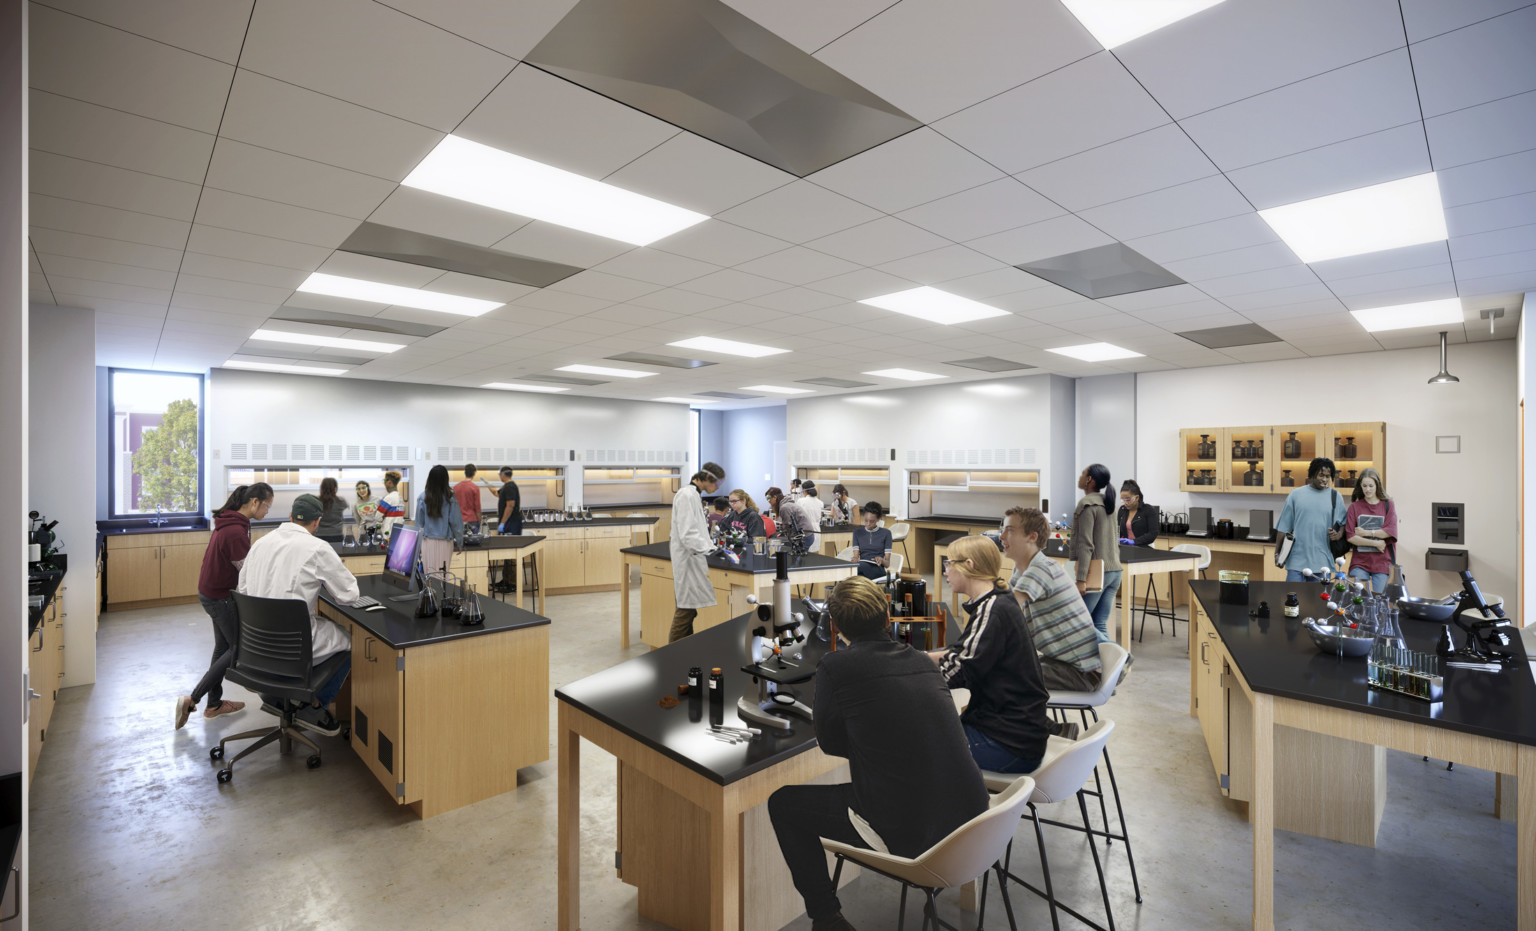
(368, 650)
(1203, 660)
(39, 647)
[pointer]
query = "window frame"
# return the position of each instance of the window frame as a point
(112, 452)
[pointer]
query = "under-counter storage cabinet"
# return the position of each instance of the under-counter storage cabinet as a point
(378, 711)
(45, 666)
(583, 558)
(144, 569)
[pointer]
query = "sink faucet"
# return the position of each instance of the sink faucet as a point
(157, 520)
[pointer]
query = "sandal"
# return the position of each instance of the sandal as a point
(223, 707)
(184, 708)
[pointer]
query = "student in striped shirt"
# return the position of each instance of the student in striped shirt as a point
(1058, 620)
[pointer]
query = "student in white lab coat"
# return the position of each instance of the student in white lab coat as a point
(690, 546)
(291, 562)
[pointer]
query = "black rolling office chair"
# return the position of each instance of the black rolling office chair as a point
(274, 656)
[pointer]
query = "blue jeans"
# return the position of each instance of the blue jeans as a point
(993, 756)
(1378, 579)
(332, 687)
(225, 627)
(1102, 602)
(1294, 575)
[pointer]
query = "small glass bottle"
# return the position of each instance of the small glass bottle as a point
(1292, 605)
(694, 675)
(716, 685)
(1291, 448)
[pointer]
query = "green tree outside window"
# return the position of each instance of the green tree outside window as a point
(166, 461)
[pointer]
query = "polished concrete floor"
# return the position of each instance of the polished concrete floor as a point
(130, 830)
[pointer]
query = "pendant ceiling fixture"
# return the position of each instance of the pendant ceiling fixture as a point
(1444, 377)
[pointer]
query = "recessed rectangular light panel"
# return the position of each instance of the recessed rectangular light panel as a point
(279, 367)
(904, 374)
(1116, 22)
(1407, 316)
(776, 389)
(335, 342)
(511, 386)
(377, 292)
(1096, 352)
(1369, 219)
(728, 347)
(683, 400)
(935, 306)
(492, 178)
(604, 370)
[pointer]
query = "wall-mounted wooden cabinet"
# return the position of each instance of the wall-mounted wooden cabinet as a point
(1274, 459)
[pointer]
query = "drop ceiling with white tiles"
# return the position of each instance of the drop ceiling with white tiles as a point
(192, 162)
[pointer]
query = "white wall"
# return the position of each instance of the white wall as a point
(1106, 424)
(1392, 388)
(1032, 414)
(13, 408)
(62, 432)
(748, 438)
(1059, 483)
(257, 407)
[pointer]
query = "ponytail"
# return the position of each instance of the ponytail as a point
(1100, 478)
(260, 491)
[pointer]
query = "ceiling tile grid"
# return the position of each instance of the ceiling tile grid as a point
(188, 173)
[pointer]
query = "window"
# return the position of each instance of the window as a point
(155, 443)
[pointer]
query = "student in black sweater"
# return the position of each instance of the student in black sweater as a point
(860, 691)
(1005, 721)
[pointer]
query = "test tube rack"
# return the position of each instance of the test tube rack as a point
(1406, 672)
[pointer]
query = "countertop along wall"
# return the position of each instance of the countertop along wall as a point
(1032, 413)
(257, 407)
(1385, 386)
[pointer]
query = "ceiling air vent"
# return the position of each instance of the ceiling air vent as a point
(239, 451)
(442, 454)
(354, 453)
(279, 452)
(370, 453)
(298, 452)
(402, 453)
(335, 452)
(259, 450)
(316, 452)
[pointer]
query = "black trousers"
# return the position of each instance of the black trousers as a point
(802, 815)
(222, 613)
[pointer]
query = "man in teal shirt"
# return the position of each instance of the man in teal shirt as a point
(1314, 515)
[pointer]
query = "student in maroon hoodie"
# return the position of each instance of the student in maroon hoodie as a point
(221, 573)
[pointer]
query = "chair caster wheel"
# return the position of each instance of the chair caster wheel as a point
(346, 733)
(225, 775)
(216, 753)
(313, 762)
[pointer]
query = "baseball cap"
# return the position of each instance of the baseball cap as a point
(307, 508)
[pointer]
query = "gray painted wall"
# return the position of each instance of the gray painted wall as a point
(747, 452)
(62, 390)
(1106, 424)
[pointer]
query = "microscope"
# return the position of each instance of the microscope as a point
(778, 627)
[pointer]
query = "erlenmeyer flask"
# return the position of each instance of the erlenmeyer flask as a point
(470, 613)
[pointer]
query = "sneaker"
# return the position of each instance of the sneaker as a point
(834, 923)
(184, 708)
(319, 720)
(224, 707)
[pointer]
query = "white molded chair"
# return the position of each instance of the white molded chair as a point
(1204, 554)
(899, 532)
(1062, 774)
(893, 571)
(848, 554)
(1113, 658)
(967, 852)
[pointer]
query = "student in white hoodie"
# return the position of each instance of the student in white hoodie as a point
(291, 562)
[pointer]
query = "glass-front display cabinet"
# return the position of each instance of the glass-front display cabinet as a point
(288, 482)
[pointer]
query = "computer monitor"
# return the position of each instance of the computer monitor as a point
(400, 562)
(1199, 522)
(1261, 525)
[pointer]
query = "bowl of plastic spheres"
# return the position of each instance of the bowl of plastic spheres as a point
(1339, 640)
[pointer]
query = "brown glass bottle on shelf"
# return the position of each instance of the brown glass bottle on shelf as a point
(1206, 449)
(1291, 448)
(1285, 479)
(1192, 477)
(1351, 451)
(1253, 477)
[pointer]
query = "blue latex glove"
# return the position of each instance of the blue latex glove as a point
(1127, 541)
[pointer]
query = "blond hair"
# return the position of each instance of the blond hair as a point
(976, 557)
(745, 498)
(858, 607)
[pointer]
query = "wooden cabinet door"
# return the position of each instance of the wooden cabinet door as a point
(378, 710)
(1205, 651)
(179, 569)
(133, 574)
(603, 558)
(1192, 464)
(658, 600)
(1245, 445)
(564, 554)
(1367, 442)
